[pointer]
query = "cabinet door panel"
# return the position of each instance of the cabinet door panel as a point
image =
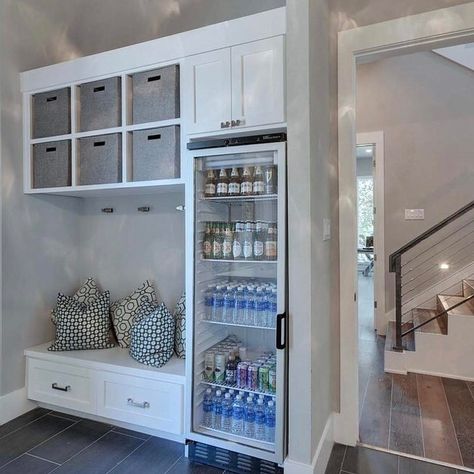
(207, 83)
(258, 95)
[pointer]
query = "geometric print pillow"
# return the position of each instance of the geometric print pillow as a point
(153, 335)
(180, 333)
(123, 312)
(86, 294)
(80, 326)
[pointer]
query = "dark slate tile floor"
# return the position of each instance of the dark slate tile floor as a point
(362, 460)
(43, 441)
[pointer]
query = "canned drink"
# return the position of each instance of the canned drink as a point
(252, 377)
(209, 366)
(272, 379)
(242, 371)
(219, 369)
(263, 377)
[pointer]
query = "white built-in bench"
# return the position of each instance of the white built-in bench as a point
(110, 385)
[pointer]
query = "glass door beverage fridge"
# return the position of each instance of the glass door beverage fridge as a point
(238, 387)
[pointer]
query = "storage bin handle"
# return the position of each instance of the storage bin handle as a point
(51, 99)
(154, 78)
(133, 403)
(55, 386)
(154, 137)
(99, 143)
(50, 149)
(99, 89)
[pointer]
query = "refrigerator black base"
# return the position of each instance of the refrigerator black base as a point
(231, 461)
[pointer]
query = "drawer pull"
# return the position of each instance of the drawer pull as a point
(55, 386)
(133, 403)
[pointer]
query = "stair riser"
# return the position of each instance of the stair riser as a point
(467, 288)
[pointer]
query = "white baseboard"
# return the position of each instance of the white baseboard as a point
(14, 404)
(321, 457)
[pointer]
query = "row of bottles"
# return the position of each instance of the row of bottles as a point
(247, 181)
(240, 416)
(240, 240)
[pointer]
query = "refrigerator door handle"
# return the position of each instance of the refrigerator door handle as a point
(279, 332)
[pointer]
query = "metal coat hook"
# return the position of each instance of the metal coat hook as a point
(107, 210)
(144, 209)
(181, 208)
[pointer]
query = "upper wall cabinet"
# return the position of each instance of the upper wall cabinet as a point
(236, 88)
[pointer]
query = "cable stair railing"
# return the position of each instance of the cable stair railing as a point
(424, 262)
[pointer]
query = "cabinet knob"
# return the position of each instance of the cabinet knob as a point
(225, 124)
(238, 122)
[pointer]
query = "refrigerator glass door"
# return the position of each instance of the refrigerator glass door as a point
(239, 291)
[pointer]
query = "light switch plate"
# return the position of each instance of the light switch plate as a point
(414, 214)
(326, 229)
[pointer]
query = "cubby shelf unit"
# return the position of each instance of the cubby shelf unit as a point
(127, 185)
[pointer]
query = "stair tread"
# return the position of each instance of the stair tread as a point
(438, 326)
(465, 309)
(390, 339)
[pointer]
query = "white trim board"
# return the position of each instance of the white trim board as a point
(426, 31)
(321, 457)
(14, 404)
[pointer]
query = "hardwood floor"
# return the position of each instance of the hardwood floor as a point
(419, 415)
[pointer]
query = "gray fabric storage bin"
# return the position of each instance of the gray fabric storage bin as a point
(52, 164)
(100, 159)
(101, 104)
(51, 113)
(156, 95)
(156, 153)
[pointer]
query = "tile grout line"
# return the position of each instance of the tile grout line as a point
(420, 417)
(174, 464)
(74, 423)
(64, 416)
(343, 459)
(452, 421)
(129, 454)
(390, 415)
(24, 426)
(42, 459)
(27, 452)
(129, 435)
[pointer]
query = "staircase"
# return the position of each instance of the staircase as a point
(442, 342)
(434, 301)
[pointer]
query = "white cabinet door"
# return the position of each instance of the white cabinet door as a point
(258, 85)
(207, 86)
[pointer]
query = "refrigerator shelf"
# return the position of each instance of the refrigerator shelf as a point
(246, 390)
(237, 438)
(237, 325)
(233, 199)
(265, 262)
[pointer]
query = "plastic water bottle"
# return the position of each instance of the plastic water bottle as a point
(209, 301)
(238, 416)
(272, 309)
(260, 427)
(239, 308)
(260, 314)
(227, 411)
(232, 393)
(207, 407)
(249, 419)
(217, 411)
(229, 304)
(249, 307)
(270, 422)
(218, 304)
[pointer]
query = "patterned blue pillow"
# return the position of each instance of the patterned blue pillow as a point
(152, 335)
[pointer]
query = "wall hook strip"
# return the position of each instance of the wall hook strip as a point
(144, 209)
(181, 208)
(107, 210)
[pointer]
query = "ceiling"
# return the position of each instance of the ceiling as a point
(462, 54)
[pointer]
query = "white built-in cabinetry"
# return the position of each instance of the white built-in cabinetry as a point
(236, 88)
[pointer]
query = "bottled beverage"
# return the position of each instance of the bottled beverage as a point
(217, 410)
(209, 366)
(260, 428)
(249, 418)
(239, 307)
(232, 393)
(217, 242)
(238, 416)
(227, 409)
(227, 242)
(238, 241)
(207, 242)
(246, 186)
(272, 379)
(219, 368)
(231, 371)
(258, 181)
(271, 243)
(270, 422)
(222, 183)
(209, 301)
(249, 307)
(229, 305)
(260, 313)
(270, 179)
(242, 370)
(234, 184)
(259, 241)
(210, 185)
(207, 407)
(272, 309)
(218, 304)
(243, 353)
(248, 238)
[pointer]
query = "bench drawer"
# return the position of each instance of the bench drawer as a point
(146, 402)
(61, 384)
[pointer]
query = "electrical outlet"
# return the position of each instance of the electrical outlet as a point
(414, 214)
(326, 229)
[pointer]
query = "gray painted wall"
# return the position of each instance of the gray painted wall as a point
(424, 104)
(44, 238)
